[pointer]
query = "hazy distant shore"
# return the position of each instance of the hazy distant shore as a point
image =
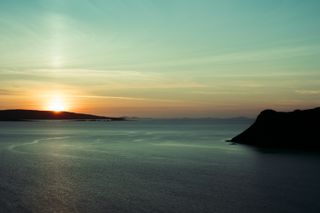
(28, 115)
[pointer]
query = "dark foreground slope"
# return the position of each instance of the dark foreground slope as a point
(297, 129)
(20, 115)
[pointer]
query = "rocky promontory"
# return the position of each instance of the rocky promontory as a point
(297, 129)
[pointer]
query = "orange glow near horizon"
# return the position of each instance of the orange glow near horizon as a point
(57, 103)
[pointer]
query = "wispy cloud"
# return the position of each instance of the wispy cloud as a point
(110, 97)
(106, 78)
(127, 98)
(236, 56)
(308, 92)
(9, 92)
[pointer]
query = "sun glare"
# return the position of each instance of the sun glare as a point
(57, 105)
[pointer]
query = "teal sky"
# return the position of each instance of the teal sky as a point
(161, 57)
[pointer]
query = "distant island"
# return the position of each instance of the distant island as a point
(298, 129)
(26, 115)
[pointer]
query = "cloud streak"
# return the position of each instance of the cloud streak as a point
(308, 92)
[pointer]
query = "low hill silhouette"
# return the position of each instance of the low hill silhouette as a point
(297, 129)
(21, 115)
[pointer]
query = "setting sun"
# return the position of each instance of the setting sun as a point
(57, 105)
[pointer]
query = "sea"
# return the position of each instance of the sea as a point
(150, 165)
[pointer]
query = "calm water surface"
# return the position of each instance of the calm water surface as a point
(149, 166)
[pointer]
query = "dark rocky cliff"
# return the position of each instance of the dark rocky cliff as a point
(297, 129)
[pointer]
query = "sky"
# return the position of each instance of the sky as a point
(160, 58)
